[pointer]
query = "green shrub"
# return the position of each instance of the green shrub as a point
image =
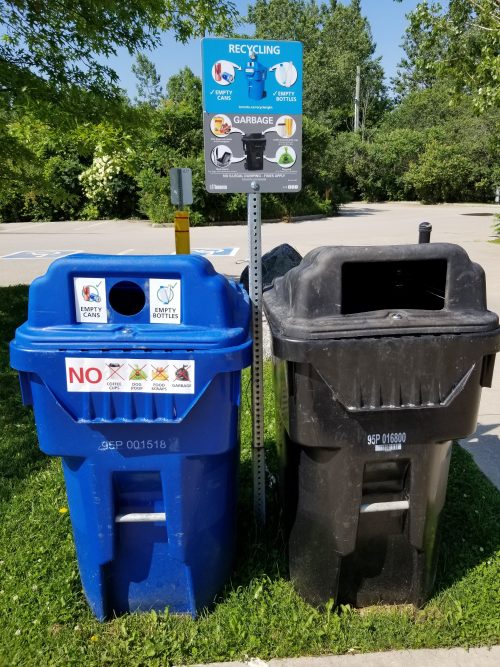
(379, 167)
(444, 174)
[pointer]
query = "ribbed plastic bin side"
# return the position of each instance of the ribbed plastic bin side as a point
(133, 371)
(380, 354)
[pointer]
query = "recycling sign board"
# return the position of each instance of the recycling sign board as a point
(252, 121)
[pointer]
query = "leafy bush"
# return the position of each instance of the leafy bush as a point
(379, 167)
(443, 173)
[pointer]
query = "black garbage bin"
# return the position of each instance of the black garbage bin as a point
(380, 354)
(254, 145)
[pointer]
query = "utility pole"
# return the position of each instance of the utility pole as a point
(356, 99)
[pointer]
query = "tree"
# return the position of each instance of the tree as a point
(336, 40)
(429, 150)
(50, 47)
(460, 45)
(148, 81)
(185, 88)
(287, 19)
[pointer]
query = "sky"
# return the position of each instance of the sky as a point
(386, 18)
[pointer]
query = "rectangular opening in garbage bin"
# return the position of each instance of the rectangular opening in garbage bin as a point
(385, 476)
(393, 285)
(139, 499)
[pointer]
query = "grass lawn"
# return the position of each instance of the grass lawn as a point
(44, 619)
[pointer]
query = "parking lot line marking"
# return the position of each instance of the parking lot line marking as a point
(89, 226)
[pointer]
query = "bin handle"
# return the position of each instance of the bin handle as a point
(389, 506)
(140, 517)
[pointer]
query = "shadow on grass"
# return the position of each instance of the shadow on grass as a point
(260, 550)
(19, 452)
(470, 522)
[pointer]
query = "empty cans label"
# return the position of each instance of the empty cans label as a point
(149, 376)
(90, 300)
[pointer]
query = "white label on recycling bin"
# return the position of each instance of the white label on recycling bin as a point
(164, 301)
(149, 376)
(90, 300)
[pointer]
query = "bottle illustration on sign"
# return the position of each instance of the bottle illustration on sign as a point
(182, 374)
(91, 293)
(256, 74)
(138, 374)
(166, 293)
(254, 145)
(285, 73)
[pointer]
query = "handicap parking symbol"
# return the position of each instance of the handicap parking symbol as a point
(39, 254)
(215, 252)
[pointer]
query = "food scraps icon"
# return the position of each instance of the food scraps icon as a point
(160, 374)
(137, 373)
(182, 374)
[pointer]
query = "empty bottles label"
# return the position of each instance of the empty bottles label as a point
(164, 301)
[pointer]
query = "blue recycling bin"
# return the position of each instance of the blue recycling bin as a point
(133, 366)
(255, 73)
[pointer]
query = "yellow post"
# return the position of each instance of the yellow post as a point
(181, 223)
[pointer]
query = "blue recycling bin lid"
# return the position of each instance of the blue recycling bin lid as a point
(158, 301)
(152, 324)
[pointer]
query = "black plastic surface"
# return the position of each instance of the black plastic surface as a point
(254, 145)
(373, 380)
(339, 292)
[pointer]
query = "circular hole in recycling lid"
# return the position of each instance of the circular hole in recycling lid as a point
(127, 298)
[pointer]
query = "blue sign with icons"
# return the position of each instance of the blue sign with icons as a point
(250, 75)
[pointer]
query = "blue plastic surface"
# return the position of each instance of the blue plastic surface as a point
(142, 452)
(256, 74)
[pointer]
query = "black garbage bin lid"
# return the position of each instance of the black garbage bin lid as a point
(256, 139)
(345, 292)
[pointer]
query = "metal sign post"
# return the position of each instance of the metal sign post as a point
(252, 128)
(255, 292)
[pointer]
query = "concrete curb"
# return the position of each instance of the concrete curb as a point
(453, 657)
